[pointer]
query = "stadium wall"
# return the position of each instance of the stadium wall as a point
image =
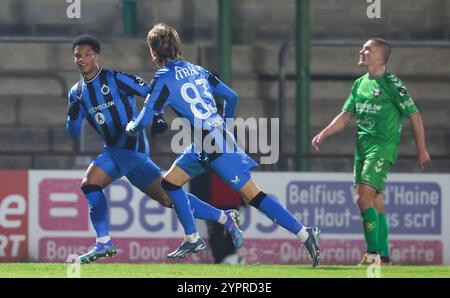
(254, 21)
(33, 87)
(44, 218)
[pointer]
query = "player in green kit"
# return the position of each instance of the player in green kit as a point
(379, 101)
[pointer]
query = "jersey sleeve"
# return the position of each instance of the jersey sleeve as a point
(229, 96)
(73, 127)
(159, 94)
(131, 84)
(156, 100)
(401, 97)
(350, 104)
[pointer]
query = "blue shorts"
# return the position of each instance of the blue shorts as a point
(234, 168)
(139, 169)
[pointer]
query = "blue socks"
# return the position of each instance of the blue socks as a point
(276, 212)
(202, 210)
(99, 213)
(183, 210)
(98, 209)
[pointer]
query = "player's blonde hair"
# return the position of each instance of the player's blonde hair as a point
(164, 40)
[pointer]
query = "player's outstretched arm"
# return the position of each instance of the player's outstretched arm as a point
(419, 135)
(337, 124)
(144, 118)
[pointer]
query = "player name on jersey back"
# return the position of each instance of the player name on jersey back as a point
(183, 72)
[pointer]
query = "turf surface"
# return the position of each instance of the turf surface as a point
(37, 270)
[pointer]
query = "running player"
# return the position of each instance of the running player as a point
(106, 99)
(189, 89)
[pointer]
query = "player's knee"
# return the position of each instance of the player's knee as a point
(363, 202)
(89, 181)
(84, 182)
(256, 201)
(359, 197)
(168, 186)
(94, 199)
(88, 188)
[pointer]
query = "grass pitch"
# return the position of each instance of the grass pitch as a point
(37, 270)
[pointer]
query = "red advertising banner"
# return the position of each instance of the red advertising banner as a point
(13, 216)
(278, 251)
(129, 250)
(62, 205)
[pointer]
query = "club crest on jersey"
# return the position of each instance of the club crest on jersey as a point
(100, 118)
(105, 89)
(377, 92)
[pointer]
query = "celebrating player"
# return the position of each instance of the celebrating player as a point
(106, 100)
(189, 90)
(378, 100)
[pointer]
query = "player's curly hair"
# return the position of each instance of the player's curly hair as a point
(87, 39)
(164, 40)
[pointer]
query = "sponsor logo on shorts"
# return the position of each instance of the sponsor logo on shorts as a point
(379, 165)
(235, 180)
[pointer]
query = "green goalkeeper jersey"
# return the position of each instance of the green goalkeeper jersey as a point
(379, 105)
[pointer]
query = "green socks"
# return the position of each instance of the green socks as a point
(376, 231)
(383, 232)
(370, 227)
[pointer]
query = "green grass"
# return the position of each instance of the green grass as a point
(215, 271)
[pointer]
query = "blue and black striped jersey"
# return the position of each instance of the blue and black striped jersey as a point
(108, 104)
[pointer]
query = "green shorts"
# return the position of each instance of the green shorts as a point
(371, 171)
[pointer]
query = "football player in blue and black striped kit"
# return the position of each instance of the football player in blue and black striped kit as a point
(106, 99)
(189, 90)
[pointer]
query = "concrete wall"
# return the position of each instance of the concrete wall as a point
(32, 108)
(258, 28)
(253, 21)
